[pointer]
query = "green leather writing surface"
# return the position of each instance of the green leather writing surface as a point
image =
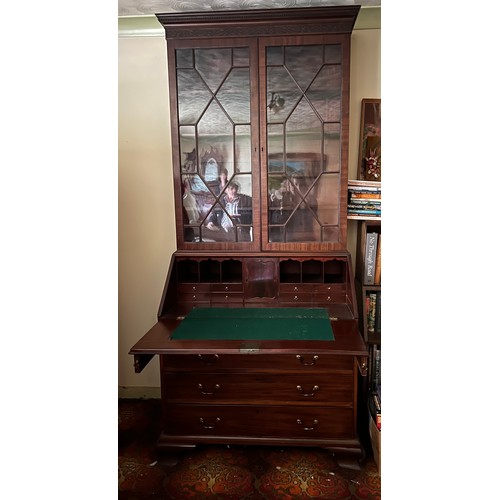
(293, 323)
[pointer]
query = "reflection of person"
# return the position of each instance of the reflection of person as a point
(189, 204)
(237, 210)
(290, 196)
(222, 181)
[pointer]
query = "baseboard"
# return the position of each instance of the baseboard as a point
(139, 393)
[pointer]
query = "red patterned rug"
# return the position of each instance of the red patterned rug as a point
(229, 472)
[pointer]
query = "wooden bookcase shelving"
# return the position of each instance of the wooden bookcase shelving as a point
(372, 338)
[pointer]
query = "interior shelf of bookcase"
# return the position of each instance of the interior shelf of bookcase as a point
(363, 289)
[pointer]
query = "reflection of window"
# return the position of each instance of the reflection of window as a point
(211, 170)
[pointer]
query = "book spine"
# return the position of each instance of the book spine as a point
(378, 262)
(373, 196)
(370, 253)
(370, 319)
(378, 362)
(378, 313)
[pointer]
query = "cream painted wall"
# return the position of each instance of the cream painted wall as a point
(145, 206)
(146, 228)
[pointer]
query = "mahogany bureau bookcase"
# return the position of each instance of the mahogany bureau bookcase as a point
(257, 329)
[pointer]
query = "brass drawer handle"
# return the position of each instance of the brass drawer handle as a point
(209, 426)
(208, 359)
(315, 423)
(216, 388)
(306, 395)
(301, 359)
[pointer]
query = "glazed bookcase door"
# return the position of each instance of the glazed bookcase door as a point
(215, 143)
(304, 128)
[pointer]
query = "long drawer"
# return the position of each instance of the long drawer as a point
(306, 362)
(294, 388)
(258, 421)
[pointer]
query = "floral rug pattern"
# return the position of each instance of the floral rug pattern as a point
(229, 472)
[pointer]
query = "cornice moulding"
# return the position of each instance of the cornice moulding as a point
(149, 26)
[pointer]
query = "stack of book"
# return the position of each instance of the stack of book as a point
(364, 199)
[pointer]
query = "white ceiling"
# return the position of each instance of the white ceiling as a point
(151, 7)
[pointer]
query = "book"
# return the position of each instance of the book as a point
(362, 183)
(371, 313)
(365, 201)
(373, 211)
(374, 196)
(375, 408)
(378, 367)
(370, 254)
(378, 313)
(378, 262)
(352, 216)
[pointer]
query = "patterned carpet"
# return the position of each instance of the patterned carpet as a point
(229, 472)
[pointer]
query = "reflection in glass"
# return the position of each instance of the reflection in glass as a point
(213, 66)
(327, 104)
(215, 143)
(303, 63)
(243, 148)
(332, 146)
(303, 137)
(193, 96)
(327, 192)
(234, 95)
(230, 219)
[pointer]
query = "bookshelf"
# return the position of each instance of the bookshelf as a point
(368, 279)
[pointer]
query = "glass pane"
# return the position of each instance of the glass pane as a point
(304, 62)
(234, 95)
(303, 138)
(197, 198)
(184, 58)
(275, 136)
(213, 65)
(282, 94)
(328, 199)
(215, 143)
(193, 96)
(304, 129)
(324, 93)
(275, 56)
(303, 226)
(243, 146)
(241, 56)
(333, 54)
(231, 218)
(188, 149)
(332, 147)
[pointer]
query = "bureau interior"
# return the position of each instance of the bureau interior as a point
(259, 281)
